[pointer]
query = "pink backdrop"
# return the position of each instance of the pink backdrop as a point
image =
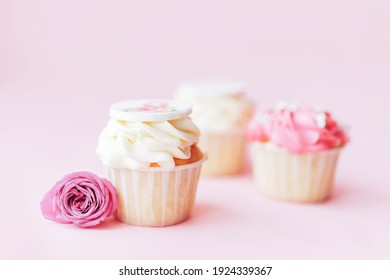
(62, 63)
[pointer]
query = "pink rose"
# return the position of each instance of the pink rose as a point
(81, 198)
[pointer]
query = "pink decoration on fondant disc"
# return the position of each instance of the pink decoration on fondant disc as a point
(152, 107)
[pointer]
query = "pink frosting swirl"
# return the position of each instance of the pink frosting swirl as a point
(81, 198)
(299, 131)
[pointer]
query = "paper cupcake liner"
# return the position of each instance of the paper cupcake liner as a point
(295, 177)
(154, 196)
(225, 150)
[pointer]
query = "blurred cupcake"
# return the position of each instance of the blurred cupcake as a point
(221, 111)
(150, 154)
(294, 152)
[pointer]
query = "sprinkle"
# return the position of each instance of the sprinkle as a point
(321, 120)
(280, 106)
(294, 107)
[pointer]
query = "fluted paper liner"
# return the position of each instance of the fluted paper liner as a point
(306, 177)
(225, 150)
(154, 196)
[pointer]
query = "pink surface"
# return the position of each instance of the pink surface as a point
(62, 63)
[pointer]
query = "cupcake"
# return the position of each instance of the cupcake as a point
(221, 111)
(294, 152)
(150, 154)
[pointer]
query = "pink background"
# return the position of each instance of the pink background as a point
(62, 63)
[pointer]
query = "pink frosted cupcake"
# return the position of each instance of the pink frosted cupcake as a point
(294, 152)
(150, 154)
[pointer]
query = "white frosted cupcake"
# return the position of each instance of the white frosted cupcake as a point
(294, 153)
(221, 111)
(149, 151)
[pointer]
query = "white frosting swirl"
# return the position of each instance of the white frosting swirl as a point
(134, 145)
(218, 112)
